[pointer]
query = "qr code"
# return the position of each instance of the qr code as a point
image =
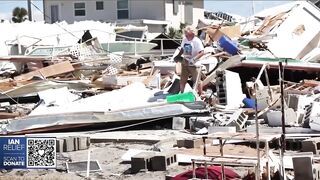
(41, 153)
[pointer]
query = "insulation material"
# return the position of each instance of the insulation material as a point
(61, 96)
(82, 118)
(297, 33)
(133, 95)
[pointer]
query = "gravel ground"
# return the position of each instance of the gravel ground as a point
(113, 167)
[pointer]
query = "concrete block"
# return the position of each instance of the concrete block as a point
(68, 144)
(215, 129)
(304, 102)
(307, 113)
(190, 143)
(141, 161)
(316, 171)
(229, 91)
(83, 143)
(293, 100)
(311, 145)
(263, 98)
(59, 145)
(75, 143)
(314, 116)
(161, 161)
(274, 117)
(178, 123)
(293, 144)
(302, 167)
(200, 122)
(237, 119)
(180, 143)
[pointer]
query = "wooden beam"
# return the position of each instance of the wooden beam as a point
(52, 70)
(6, 115)
(23, 58)
(233, 60)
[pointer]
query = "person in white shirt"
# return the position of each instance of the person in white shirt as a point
(192, 50)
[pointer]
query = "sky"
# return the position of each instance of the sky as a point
(6, 8)
(240, 7)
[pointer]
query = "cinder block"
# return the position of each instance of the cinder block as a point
(228, 85)
(302, 167)
(293, 144)
(237, 119)
(161, 161)
(83, 143)
(59, 145)
(293, 100)
(311, 145)
(178, 123)
(316, 171)
(68, 144)
(180, 143)
(274, 117)
(215, 129)
(190, 143)
(141, 161)
(75, 143)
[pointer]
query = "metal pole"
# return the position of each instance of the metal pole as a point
(222, 165)
(257, 133)
(206, 170)
(161, 47)
(204, 146)
(268, 84)
(268, 160)
(19, 45)
(29, 10)
(135, 47)
(283, 140)
(193, 169)
(88, 163)
(253, 8)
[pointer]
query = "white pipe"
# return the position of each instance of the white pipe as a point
(88, 163)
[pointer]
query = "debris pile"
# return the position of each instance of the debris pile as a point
(255, 78)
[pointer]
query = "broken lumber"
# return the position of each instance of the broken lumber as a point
(23, 59)
(227, 64)
(52, 70)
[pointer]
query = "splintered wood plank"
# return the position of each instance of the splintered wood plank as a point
(232, 61)
(23, 59)
(52, 70)
(6, 115)
(148, 80)
(9, 84)
(311, 83)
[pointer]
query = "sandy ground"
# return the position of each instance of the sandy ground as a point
(109, 157)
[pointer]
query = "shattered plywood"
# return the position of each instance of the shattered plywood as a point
(215, 33)
(27, 87)
(52, 70)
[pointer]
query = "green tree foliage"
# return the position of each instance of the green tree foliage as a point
(173, 33)
(176, 33)
(19, 15)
